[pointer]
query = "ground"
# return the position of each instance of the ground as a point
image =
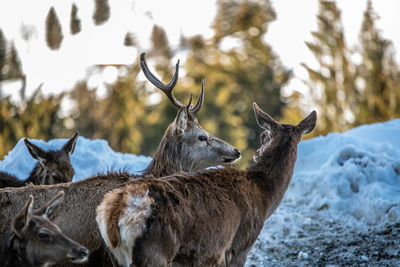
(327, 242)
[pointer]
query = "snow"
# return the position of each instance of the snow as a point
(89, 158)
(341, 181)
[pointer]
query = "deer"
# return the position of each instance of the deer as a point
(183, 137)
(53, 166)
(34, 240)
(185, 146)
(205, 218)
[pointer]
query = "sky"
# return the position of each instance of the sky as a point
(60, 70)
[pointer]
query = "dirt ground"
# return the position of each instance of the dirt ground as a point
(330, 243)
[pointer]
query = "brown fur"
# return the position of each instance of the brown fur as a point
(77, 214)
(213, 217)
(36, 241)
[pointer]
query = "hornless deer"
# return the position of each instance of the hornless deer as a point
(185, 147)
(207, 218)
(36, 241)
(53, 166)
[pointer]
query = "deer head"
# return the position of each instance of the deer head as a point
(185, 142)
(42, 241)
(53, 166)
(274, 131)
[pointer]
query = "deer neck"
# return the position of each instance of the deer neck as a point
(273, 172)
(163, 164)
(14, 254)
(38, 175)
(168, 157)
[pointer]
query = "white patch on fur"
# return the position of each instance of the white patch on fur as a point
(132, 224)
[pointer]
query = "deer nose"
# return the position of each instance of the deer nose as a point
(83, 252)
(237, 153)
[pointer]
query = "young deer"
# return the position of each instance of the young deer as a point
(36, 241)
(53, 166)
(207, 218)
(184, 137)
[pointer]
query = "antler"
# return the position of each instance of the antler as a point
(167, 88)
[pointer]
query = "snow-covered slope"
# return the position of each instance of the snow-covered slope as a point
(351, 178)
(89, 158)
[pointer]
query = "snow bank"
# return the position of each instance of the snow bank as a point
(354, 174)
(89, 158)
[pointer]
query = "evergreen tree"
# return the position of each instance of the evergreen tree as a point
(13, 64)
(75, 23)
(54, 34)
(119, 117)
(237, 76)
(3, 54)
(101, 12)
(36, 117)
(129, 39)
(160, 42)
(379, 75)
(332, 85)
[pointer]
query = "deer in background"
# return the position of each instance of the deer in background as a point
(186, 146)
(36, 241)
(206, 218)
(53, 166)
(183, 137)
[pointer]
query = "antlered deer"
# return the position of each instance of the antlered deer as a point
(207, 218)
(36, 241)
(185, 147)
(53, 166)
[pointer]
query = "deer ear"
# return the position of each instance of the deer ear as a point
(48, 209)
(36, 152)
(69, 147)
(181, 121)
(308, 124)
(263, 119)
(23, 217)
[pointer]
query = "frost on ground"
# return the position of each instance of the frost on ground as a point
(342, 207)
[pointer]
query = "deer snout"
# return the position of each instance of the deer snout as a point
(233, 156)
(78, 255)
(237, 153)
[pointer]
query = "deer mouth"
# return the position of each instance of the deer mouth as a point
(75, 259)
(230, 160)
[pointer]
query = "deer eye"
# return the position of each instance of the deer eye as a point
(203, 138)
(44, 236)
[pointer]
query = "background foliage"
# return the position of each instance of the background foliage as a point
(346, 93)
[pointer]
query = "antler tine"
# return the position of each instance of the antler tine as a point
(200, 101)
(166, 88)
(189, 105)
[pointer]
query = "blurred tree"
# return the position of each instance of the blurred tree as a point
(332, 84)
(379, 75)
(160, 44)
(129, 39)
(239, 75)
(35, 117)
(3, 54)
(75, 23)
(27, 32)
(13, 68)
(101, 12)
(54, 34)
(119, 117)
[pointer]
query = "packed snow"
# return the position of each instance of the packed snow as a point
(343, 185)
(89, 158)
